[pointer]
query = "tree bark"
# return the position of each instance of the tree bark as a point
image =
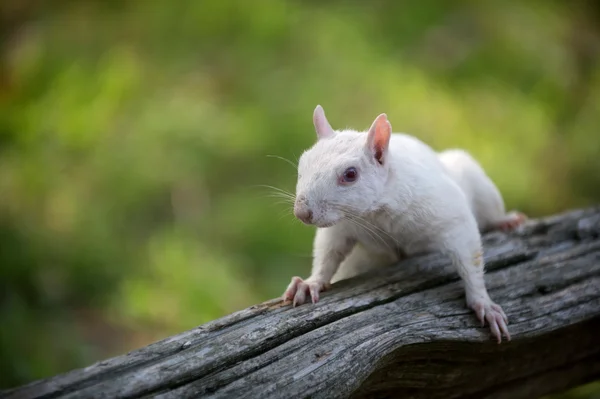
(399, 332)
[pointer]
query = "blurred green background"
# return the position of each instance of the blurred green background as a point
(133, 135)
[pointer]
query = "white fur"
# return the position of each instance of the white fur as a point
(416, 201)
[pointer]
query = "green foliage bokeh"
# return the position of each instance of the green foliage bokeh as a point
(134, 137)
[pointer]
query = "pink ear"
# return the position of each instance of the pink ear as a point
(322, 126)
(378, 139)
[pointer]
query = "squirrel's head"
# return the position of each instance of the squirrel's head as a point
(343, 174)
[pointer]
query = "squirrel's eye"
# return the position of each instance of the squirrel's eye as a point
(349, 175)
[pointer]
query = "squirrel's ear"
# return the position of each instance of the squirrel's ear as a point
(378, 138)
(322, 126)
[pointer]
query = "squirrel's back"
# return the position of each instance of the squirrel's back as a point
(427, 167)
(482, 194)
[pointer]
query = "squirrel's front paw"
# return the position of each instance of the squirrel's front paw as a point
(493, 313)
(298, 289)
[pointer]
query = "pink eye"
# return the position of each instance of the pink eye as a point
(350, 175)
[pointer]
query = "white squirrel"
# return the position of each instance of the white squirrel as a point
(378, 197)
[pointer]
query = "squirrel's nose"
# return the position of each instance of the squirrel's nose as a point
(301, 209)
(303, 214)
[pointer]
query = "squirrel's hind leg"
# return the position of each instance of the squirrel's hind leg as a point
(511, 221)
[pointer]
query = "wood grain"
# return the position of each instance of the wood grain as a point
(400, 332)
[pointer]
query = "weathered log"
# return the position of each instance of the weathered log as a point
(401, 332)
